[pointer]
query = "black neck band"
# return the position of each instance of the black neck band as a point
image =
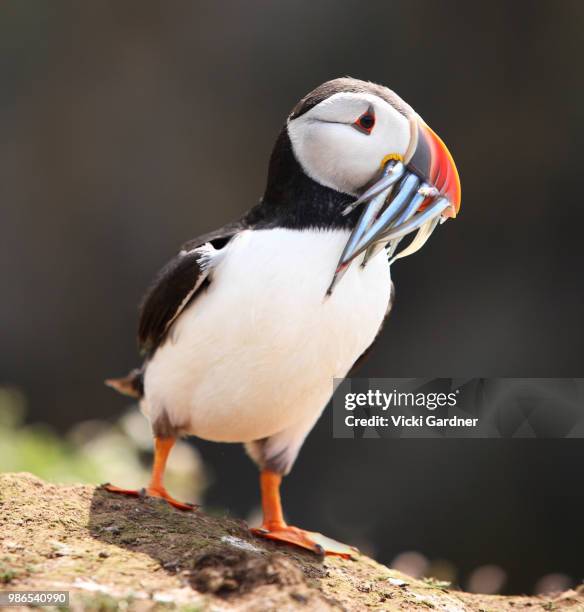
(293, 200)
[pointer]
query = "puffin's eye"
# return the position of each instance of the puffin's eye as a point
(366, 122)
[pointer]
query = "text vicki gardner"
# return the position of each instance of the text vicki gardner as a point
(430, 420)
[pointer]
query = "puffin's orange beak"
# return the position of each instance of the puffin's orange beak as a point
(433, 162)
(413, 194)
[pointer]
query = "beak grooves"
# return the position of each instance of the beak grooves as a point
(433, 161)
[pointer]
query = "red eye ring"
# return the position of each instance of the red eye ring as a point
(366, 122)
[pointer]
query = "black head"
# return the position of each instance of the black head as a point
(333, 146)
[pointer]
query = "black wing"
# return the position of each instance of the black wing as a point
(175, 286)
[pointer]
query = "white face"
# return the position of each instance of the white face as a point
(336, 152)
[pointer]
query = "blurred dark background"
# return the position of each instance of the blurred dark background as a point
(128, 128)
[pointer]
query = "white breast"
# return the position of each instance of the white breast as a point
(258, 350)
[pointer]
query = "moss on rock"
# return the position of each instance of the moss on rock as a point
(118, 553)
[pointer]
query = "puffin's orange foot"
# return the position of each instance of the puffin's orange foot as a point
(161, 492)
(310, 540)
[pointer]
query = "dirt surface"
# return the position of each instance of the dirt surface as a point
(113, 552)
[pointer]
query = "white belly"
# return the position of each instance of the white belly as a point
(258, 350)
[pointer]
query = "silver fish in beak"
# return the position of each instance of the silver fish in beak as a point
(410, 195)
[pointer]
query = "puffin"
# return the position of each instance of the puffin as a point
(244, 331)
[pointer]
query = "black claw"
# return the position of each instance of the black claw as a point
(143, 492)
(319, 550)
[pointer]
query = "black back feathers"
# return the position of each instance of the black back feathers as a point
(175, 286)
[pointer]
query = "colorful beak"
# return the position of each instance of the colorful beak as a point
(433, 162)
(410, 195)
